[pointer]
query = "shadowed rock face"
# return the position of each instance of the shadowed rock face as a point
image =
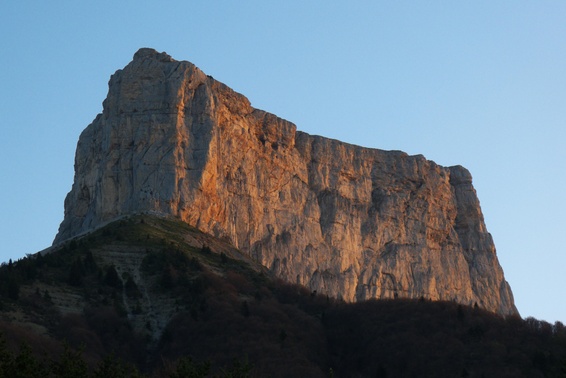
(353, 222)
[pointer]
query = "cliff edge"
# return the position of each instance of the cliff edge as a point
(353, 222)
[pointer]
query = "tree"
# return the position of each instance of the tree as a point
(245, 309)
(76, 273)
(26, 365)
(188, 368)
(110, 367)
(223, 258)
(6, 359)
(89, 264)
(132, 290)
(111, 277)
(238, 369)
(13, 286)
(381, 372)
(70, 364)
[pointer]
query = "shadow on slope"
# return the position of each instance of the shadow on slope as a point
(152, 291)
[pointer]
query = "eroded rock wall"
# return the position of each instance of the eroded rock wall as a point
(352, 222)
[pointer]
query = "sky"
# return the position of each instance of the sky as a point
(475, 83)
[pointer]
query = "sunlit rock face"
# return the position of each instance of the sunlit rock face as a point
(352, 222)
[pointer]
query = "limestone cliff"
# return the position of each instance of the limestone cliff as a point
(349, 221)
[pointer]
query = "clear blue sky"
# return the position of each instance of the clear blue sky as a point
(476, 83)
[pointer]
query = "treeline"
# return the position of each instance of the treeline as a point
(291, 332)
(399, 338)
(71, 364)
(226, 310)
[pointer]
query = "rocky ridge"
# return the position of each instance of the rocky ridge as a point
(352, 222)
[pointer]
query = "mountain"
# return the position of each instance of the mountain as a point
(154, 296)
(345, 221)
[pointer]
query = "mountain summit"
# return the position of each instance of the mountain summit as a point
(347, 221)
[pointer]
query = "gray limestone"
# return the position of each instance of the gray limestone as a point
(353, 222)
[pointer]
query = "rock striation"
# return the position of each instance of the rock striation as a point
(353, 222)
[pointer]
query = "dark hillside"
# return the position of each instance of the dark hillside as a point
(148, 293)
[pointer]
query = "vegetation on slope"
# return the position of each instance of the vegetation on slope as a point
(152, 296)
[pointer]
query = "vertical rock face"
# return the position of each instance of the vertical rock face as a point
(355, 223)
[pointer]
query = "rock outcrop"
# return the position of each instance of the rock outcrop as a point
(353, 222)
